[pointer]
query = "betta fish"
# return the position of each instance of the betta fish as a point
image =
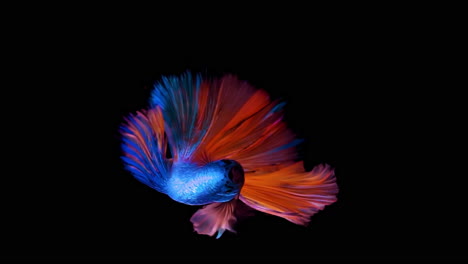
(219, 142)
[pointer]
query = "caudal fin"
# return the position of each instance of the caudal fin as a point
(291, 192)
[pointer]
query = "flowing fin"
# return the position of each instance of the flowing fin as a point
(178, 99)
(215, 217)
(209, 120)
(144, 146)
(245, 126)
(290, 192)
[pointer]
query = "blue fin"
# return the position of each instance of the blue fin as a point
(177, 97)
(144, 147)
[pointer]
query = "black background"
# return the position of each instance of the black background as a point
(356, 90)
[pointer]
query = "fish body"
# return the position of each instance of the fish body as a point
(199, 185)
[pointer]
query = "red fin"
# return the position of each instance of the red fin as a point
(245, 125)
(290, 192)
(215, 217)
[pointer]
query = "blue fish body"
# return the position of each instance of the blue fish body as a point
(199, 185)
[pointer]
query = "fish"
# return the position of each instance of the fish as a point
(220, 143)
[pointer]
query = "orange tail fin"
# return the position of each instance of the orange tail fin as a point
(290, 192)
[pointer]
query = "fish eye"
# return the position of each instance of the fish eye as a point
(231, 174)
(236, 174)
